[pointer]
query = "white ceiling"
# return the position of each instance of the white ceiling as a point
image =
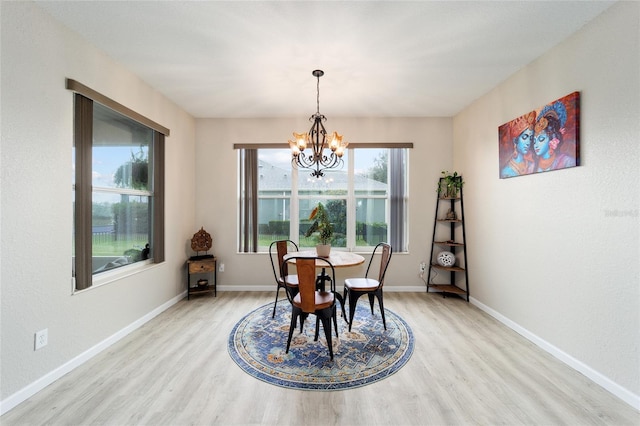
(381, 58)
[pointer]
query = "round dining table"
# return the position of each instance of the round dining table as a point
(339, 259)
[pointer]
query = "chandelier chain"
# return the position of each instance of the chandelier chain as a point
(318, 96)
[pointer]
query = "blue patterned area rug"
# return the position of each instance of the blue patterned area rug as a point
(365, 355)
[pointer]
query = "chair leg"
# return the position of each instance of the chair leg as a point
(335, 319)
(345, 293)
(342, 300)
(294, 319)
(371, 300)
(325, 317)
(303, 318)
(276, 302)
(315, 337)
(353, 301)
(381, 303)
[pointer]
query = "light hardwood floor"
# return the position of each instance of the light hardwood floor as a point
(466, 369)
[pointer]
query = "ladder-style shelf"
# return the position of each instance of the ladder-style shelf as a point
(449, 224)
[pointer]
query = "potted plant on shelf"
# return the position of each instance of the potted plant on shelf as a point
(322, 229)
(449, 185)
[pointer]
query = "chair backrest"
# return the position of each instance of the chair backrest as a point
(385, 257)
(307, 275)
(277, 250)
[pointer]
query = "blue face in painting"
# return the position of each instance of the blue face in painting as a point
(541, 144)
(524, 141)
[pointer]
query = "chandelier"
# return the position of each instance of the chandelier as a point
(319, 142)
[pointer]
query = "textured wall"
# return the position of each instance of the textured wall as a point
(36, 227)
(557, 252)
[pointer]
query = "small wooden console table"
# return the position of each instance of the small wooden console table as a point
(205, 265)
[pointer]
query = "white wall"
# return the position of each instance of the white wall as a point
(216, 203)
(557, 253)
(36, 226)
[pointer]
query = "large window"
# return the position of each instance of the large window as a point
(117, 191)
(365, 199)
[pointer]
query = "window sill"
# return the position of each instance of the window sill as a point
(108, 277)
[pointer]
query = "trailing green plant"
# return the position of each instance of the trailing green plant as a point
(134, 173)
(321, 228)
(449, 185)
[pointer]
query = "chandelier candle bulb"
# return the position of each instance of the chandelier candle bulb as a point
(301, 140)
(295, 151)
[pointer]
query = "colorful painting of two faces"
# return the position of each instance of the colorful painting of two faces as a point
(547, 138)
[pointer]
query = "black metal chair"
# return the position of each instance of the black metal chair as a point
(356, 287)
(309, 300)
(277, 250)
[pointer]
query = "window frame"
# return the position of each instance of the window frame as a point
(82, 191)
(396, 215)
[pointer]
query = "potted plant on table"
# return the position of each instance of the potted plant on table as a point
(449, 185)
(322, 229)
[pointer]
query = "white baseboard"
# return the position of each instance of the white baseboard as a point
(35, 387)
(597, 377)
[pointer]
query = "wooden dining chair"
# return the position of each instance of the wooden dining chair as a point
(277, 250)
(356, 287)
(309, 300)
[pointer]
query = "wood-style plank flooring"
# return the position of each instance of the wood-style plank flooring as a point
(466, 369)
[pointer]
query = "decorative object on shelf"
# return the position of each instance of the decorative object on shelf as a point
(451, 215)
(545, 139)
(322, 229)
(317, 161)
(201, 241)
(449, 185)
(203, 283)
(446, 258)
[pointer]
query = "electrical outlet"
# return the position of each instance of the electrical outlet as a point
(422, 267)
(41, 339)
(221, 267)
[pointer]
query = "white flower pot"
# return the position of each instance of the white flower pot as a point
(323, 250)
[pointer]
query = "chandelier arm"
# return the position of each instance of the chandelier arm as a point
(304, 161)
(317, 167)
(331, 161)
